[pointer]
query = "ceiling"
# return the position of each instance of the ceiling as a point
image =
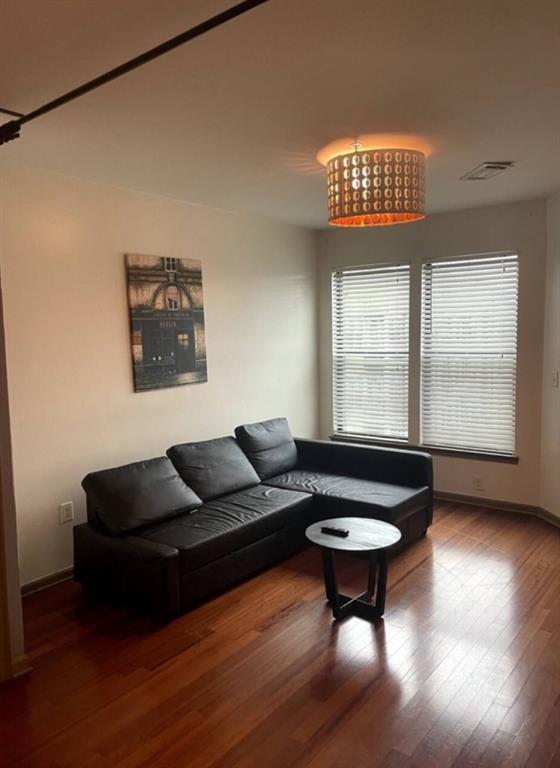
(235, 119)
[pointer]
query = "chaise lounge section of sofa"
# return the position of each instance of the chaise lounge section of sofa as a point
(165, 534)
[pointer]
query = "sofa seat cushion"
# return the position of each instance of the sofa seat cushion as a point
(269, 446)
(125, 498)
(363, 497)
(213, 468)
(231, 522)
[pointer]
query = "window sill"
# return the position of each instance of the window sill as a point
(454, 453)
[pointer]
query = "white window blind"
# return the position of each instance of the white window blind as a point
(469, 353)
(370, 351)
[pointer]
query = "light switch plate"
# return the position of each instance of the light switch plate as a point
(65, 512)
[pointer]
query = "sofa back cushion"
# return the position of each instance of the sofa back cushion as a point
(269, 445)
(125, 498)
(213, 467)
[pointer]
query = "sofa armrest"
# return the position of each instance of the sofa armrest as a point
(390, 465)
(139, 572)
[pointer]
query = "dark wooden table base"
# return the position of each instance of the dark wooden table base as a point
(362, 605)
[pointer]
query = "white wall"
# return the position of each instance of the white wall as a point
(519, 227)
(550, 466)
(73, 408)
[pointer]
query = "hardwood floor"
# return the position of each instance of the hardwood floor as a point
(463, 671)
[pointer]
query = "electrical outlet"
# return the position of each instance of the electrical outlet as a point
(65, 512)
(478, 483)
(555, 379)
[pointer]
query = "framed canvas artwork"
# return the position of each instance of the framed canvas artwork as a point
(166, 321)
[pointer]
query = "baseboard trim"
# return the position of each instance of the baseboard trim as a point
(46, 581)
(505, 506)
(21, 666)
(548, 517)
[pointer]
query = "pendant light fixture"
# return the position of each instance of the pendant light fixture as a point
(376, 187)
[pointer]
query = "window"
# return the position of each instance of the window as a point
(464, 372)
(469, 353)
(170, 264)
(370, 351)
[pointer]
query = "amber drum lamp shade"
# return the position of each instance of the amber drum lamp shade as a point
(376, 187)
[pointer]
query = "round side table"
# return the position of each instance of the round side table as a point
(365, 536)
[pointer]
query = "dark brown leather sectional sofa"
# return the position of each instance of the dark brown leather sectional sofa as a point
(164, 534)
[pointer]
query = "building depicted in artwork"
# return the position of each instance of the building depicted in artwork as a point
(166, 321)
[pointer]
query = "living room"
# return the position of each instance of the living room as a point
(295, 358)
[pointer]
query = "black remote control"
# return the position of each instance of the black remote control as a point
(340, 532)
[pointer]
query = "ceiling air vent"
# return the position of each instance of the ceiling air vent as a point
(486, 171)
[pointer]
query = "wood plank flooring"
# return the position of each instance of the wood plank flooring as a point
(464, 670)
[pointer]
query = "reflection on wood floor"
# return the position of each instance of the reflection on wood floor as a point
(463, 671)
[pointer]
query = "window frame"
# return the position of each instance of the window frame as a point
(414, 440)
